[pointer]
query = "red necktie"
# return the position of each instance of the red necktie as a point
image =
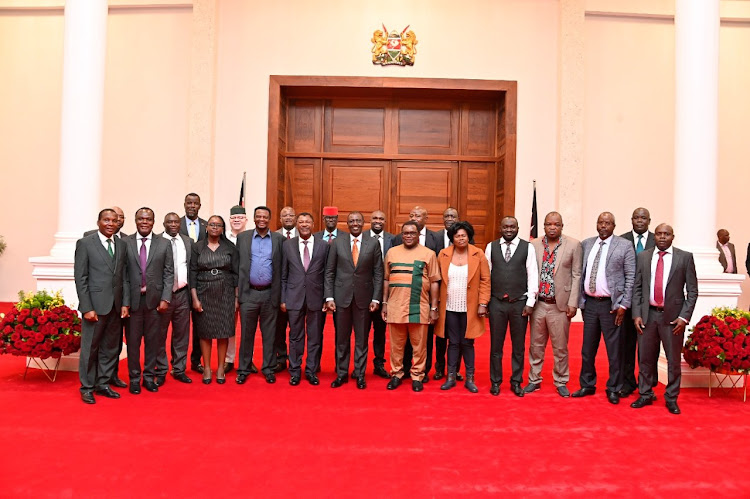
(659, 280)
(289, 234)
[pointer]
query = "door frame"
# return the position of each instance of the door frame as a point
(505, 92)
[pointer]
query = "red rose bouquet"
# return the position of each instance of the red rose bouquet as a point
(720, 342)
(40, 326)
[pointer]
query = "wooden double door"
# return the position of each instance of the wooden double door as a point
(391, 148)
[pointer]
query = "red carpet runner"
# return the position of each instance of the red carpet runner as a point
(261, 440)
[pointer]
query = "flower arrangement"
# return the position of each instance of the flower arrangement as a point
(720, 342)
(40, 325)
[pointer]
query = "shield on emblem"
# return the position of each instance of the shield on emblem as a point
(394, 46)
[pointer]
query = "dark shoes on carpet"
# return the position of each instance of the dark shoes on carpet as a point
(253, 369)
(150, 386)
(517, 390)
(673, 408)
(494, 389)
(583, 392)
(613, 398)
(394, 383)
(88, 398)
(531, 387)
(181, 377)
(196, 368)
(417, 385)
(228, 367)
(108, 392)
(340, 380)
(117, 382)
(135, 388)
(241, 378)
(361, 384)
(380, 371)
(294, 380)
(643, 401)
(270, 378)
(313, 379)
(563, 391)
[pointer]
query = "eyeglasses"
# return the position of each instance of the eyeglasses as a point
(216, 226)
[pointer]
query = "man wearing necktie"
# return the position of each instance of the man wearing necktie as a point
(288, 230)
(151, 276)
(664, 297)
(606, 292)
(642, 239)
(103, 288)
(353, 289)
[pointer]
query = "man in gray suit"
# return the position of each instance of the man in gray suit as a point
(606, 292)
(727, 256)
(642, 239)
(288, 219)
(178, 311)
(302, 276)
(385, 240)
(353, 289)
(664, 297)
(103, 288)
(259, 291)
(151, 274)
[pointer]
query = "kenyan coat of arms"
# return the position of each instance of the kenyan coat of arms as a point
(393, 47)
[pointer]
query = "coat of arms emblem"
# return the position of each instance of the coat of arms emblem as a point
(393, 47)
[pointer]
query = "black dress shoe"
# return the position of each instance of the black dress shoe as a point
(532, 387)
(673, 408)
(416, 385)
(294, 380)
(459, 377)
(613, 398)
(625, 393)
(340, 380)
(380, 372)
(117, 382)
(182, 377)
(228, 367)
(221, 381)
(394, 383)
(354, 376)
(150, 386)
(270, 378)
(438, 375)
(197, 368)
(281, 366)
(517, 390)
(642, 402)
(88, 398)
(313, 379)
(160, 380)
(253, 369)
(241, 378)
(361, 384)
(108, 392)
(426, 378)
(135, 388)
(583, 392)
(494, 389)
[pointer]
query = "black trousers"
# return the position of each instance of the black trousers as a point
(409, 351)
(504, 315)
(458, 344)
(305, 323)
(629, 343)
(145, 327)
(99, 353)
(124, 325)
(195, 351)
(348, 318)
(258, 308)
(279, 343)
(178, 314)
(376, 322)
(658, 329)
(598, 322)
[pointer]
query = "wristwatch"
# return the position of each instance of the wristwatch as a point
(434, 309)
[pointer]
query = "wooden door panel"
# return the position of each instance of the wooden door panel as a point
(355, 126)
(428, 127)
(305, 132)
(353, 185)
(431, 185)
(304, 179)
(475, 199)
(478, 129)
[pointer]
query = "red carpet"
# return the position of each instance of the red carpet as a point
(276, 440)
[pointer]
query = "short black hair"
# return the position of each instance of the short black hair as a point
(305, 214)
(458, 226)
(101, 213)
(192, 194)
(410, 222)
(146, 208)
(266, 208)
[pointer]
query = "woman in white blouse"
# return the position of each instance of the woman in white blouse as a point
(464, 294)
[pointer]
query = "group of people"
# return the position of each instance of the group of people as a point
(434, 290)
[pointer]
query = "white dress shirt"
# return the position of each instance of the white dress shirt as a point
(728, 256)
(379, 239)
(103, 239)
(310, 244)
(532, 269)
(147, 242)
(289, 234)
(423, 236)
(602, 288)
(179, 255)
(446, 241)
(644, 238)
(667, 267)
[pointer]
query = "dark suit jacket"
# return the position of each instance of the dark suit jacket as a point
(299, 287)
(118, 235)
(387, 240)
(681, 292)
(245, 248)
(159, 271)
(441, 236)
(201, 228)
(321, 233)
(362, 283)
(619, 269)
(723, 259)
(101, 281)
(650, 241)
(431, 240)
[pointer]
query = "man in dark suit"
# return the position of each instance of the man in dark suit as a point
(353, 288)
(642, 239)
(116, 381)
(375, 319)
(302, 276)
(664, 297)
(261, 259)
(151, 274)
(606, 292)
(431, 240)
(195, 228)
(727, 256)
(102, 287)
(178, 311)
(288, 229)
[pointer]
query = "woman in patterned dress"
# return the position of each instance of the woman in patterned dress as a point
(214, 264)
(464, 295)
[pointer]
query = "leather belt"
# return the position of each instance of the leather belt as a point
(547, 299)
(260, 288)
(656, 309)
(599, 298)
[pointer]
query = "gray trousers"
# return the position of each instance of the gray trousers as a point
(658, 329)
(548, 322)
(257, 309)
(99, 350)
(178, 314)
(145, 327)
